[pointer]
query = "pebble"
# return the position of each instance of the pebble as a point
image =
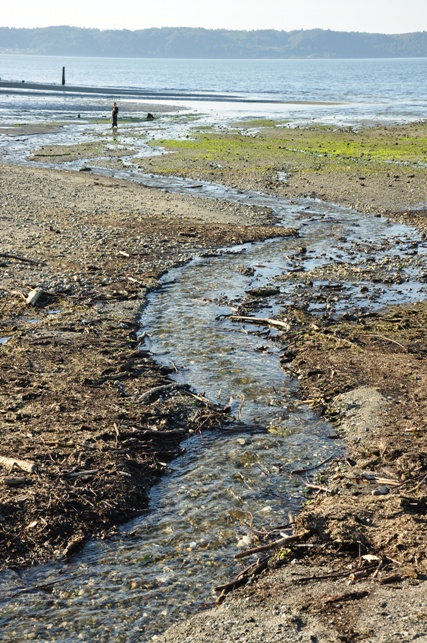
(381, 491)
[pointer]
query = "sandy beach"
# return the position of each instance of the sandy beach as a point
(355, 566)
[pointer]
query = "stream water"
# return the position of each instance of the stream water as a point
(164, 565)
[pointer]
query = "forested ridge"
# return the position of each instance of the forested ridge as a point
(181, 42)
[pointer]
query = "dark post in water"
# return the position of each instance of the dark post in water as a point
(63, 75)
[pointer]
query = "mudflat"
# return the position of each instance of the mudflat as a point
(87, 423)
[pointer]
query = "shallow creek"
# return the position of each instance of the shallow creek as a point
(164, 565)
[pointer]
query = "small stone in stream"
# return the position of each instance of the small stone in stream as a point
(265, 291)
(246, 270)
(85, 169)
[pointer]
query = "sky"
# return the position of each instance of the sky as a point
(373, 16)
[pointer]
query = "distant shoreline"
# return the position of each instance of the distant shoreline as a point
(212, 44)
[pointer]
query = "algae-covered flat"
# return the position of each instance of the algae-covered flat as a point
(371, 169)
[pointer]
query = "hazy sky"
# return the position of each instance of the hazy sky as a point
(381, 16)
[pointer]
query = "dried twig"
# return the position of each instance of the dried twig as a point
(261, 320)
(347, 596)
(387, 339)
(241, 579)
(78, 474)
(286, 540)
(157, 391)
(25, 465)
(316, 466)
(344, 574)
(317, 487)
(9, 255)
(392, 578)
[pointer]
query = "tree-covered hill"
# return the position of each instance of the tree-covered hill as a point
(211, 43)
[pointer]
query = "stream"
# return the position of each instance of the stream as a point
(227, 485)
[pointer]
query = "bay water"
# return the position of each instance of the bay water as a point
(333, 91)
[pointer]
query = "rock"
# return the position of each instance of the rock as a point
(381, 491)
(265, 291)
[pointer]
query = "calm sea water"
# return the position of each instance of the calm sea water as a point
(359, 91)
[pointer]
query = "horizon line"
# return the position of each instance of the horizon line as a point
(379, 33)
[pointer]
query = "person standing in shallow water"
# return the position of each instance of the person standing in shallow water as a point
(114, 114)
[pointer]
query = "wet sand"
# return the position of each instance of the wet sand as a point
(116, 92)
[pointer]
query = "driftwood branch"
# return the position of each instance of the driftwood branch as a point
(388, 339)
(341, 574)
(157, 391)
(203, 399)
(15, 481)
(316, 466)
(148, 434)
(317, 487)
(31, 298)
(261, 320)
(241, 579)
(286, 540)
(78, 474)
(8, 255)
(347, 596)
(392, 578)
(25, 465)
(34, 296)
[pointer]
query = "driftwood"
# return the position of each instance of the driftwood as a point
(388, 339)
(241, 579)
(347, 596)
(316, 466)
(341, 574)
(34, 296)
(15, 481)
(204, 400)
(148, 434)
(78, 474)
(286, 540)
(157, 391)
(392, 578)
(261, 320)
(8, 255)
(317, 487)
(52, 155)
(25, 465)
